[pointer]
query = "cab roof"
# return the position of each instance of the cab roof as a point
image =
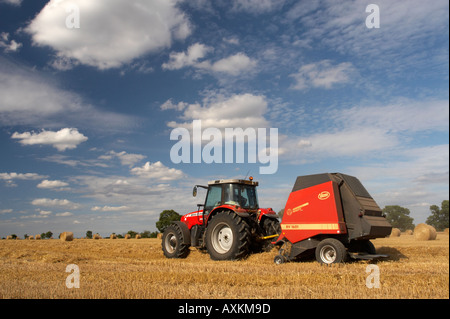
(233, 181)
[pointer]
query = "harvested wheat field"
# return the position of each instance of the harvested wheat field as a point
(137, 269)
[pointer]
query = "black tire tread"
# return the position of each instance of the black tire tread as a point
(182, 250)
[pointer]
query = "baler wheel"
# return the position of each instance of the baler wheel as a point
(330, 251)
(279, 259)
(362, 246)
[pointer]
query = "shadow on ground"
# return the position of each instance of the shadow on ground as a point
(394, 254)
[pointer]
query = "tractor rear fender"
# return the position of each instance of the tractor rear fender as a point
(265, 213)
(235, 209)
(185, 230)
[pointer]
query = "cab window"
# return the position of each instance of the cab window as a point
(214, 197)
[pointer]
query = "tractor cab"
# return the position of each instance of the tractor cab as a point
(237, 193)
(231, 192)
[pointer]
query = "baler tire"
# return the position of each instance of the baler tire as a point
(330, 251)
(279, 259)
(369, 248)
(227, 237)
(173, 242)
(362, 246)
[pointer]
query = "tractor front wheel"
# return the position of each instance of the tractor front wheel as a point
(227, 237)
(173, 242)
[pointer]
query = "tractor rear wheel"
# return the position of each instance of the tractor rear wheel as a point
(330, 251)
(227, 236)
(173, 242)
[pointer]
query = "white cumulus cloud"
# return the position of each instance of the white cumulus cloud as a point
(66, 138)
(127, 159)
(110, 33)
(178, 60)
(108, 208)
(157, 171)
(65, 214)
(10, 177)
(62, 203)
(323, 74)
(238, 110)
(232, 65)
(8, 45)
(12, 2)
(26, 176)
(51, 184)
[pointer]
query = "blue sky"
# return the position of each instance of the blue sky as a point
(91, 90)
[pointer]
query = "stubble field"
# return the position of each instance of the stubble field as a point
(136, 268)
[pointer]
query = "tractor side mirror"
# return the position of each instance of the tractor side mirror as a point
(194, 191)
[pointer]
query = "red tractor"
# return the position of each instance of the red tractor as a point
(229, 226)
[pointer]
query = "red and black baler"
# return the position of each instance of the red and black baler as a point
(333, 216)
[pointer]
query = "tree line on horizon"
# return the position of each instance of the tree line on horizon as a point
(396, 215)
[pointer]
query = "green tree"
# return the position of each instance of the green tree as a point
(154, 234)
(89, 234)
(48, 234)
(145, 234)
(149, 234)
(399, 217)
(166, 218)
(439, 217)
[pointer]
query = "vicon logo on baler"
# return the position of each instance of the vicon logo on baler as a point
(323, 195)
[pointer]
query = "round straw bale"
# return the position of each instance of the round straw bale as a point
(424, 232)
(433, 233)
(66, 236)
(138, 236)
(127, 236)
(446, 231)
(30, 237)
(408, 232)
(395, 232)
(159, 236)
(9, 237)
(37, 237)
(96, 236)
(113, 236)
